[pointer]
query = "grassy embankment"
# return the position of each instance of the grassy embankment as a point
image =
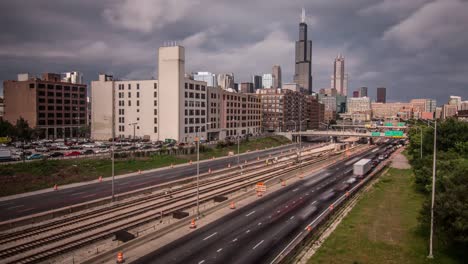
(31, 176)
(382, 227)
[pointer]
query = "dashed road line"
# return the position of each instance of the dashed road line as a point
(208, 237)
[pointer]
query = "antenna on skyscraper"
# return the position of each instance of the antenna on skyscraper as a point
(303, 16)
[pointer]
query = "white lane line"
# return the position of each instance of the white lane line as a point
(78, 193)
(208, 237)
(201, 262)
(281, 253)
(249, 214)
(295, 189)
(16, 206)
(258, 244)
(219, 250)
(260, 223)
(313, 202)
(234, 240)
(307, 194)
(89, 195)
(248, 231)
(375, 150)
(291, 217)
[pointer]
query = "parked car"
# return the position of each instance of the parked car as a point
(88, 145)
(56, 155)
(72, 153)
(63, 147)
(35, 156)
(146, 147)
(42, 149)
(104, 150)
(87, 152)
(76, 147)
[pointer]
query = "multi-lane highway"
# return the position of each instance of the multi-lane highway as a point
(37, 203)
(257, 233)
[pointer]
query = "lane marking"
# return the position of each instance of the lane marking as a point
(208, 237)
(201, 262)
(259, 243)
(234, 240)
(248, 231)
(291, 217)
(260, 223)
(13, 207)
(249, 214)
(313, 202)
(295, 189)
(89, 195)
(78, 193)
(219, 250)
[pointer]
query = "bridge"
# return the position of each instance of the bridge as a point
(336, 133)
(367, 126)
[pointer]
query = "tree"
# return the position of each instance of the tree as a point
(6, 129)
(23, 131)
(84, 131)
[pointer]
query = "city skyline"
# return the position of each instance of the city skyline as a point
(104, 40)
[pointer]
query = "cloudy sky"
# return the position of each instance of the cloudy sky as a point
(415, 48)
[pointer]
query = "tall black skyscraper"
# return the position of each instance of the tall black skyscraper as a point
(303, 69)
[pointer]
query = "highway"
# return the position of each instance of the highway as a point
(37, 203)
(258, 232)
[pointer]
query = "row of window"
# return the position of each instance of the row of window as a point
(194, 129)
(122, 94)
(195, 87)
(60, 101)
(60, 122)
(194, 120)
(195, 95)
(122, 103)
(121, 86)
(191, 112)
(194, 104)
(59, 94)
(60, 115)
(58, 87)
(60, 108)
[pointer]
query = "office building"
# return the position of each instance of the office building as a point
(449, 110)
(356, 94)
(267, 80)
(292, 86)
(247, 87)
(363, 92)
(276, 74)
(257, 81)
(455, 100)
(359, 104)
(226, 80)
(2, 108)
(72, 77)
(56, 108)
(232, 114)
(303, 58)
(208, 77)
(381, 95)
(463, 106)
(340, 79)
(392, 111)
(328, 91)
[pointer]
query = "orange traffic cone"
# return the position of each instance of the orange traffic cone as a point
(120, 258)
(309, 228)
(301, 175)
(193, 224)
(258, 158)
(283, 183)
(259, 194)
(232, 205)
(229, 165)
(347, 194)
(100, 178)
(209, 170)
(331, 207)
(55, 187)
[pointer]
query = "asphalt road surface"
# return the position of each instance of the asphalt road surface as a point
(258, 232)
(37, 203)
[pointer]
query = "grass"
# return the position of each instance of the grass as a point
(382, 227)
(31, 176)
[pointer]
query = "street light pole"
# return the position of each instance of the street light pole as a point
(433, 190)
(134, 138)
(421, 143)
(197, 139)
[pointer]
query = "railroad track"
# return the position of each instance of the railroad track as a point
(131, 219)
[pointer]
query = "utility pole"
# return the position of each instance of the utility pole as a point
(113, 141)
(134, 139)
(197, 139)
(433, 190)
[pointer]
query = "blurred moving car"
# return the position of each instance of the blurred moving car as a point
(72, 153)
(35, 156)
(88, 152)
(42, 149)
(56, 155)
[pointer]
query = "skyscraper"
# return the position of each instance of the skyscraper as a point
(257, 81)
(207, 77)
(267, 80)
(340, 79)
(381, 95)
(276, 76)
(363, 92)
(226, 80)
(303, 67)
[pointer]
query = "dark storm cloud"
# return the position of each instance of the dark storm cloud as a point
(415, 48)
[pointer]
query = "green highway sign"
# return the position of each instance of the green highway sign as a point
(388, 124)
(401, 123)
(393, 133)
(375, 134)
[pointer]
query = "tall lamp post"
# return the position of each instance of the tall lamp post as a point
(433, 189)
(134, 125)
(197, 139)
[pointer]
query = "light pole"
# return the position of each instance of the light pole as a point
(197, 139)
(133, 124)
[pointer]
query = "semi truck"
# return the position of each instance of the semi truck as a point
(362, 167)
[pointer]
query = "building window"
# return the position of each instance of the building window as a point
(155, 103)
(129, 103)
(155, 94)
(155, 86)
(129, 86)
(155, 129)
(155, 111)
(191, 86)
(31, 85)
(138, 110)
(138, 94)
(129, 95)
(155, 120)
(138, 86)
(138, 127)
(138, 102)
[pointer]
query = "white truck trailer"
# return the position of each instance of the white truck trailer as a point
(362, 167)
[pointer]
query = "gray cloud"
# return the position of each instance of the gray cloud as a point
(415, 48)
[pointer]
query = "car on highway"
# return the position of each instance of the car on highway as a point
(88, 152)
(63, 147)
(56, 155)
(76, 146)
(36, 156)
(72, 154)
(351, 180)
(88, 145)
(103, 150)
(381, 157)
